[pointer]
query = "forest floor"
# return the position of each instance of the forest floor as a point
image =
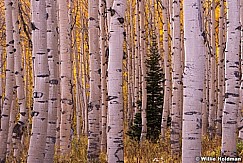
(146, 152)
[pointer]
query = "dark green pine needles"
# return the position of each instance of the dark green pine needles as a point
(155, 93)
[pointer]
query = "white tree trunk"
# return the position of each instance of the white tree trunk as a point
(53, 63)
(18, 132)
(66, 79)
(221, 60)
(241, 87)
(12, 121)
(212, 74)
(115, 145)
(9, 81)
(41, 83)
(144, 70)
(103, 56)
(167, 85)
(136, 61)
(193, 81)
(95, 89)
(232, 80)
(177, 81)
(240, 127)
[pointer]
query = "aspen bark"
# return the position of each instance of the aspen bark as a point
(240, 127)
(221, 60)
(18, 132)
(176, 79)
(66, 79)
(193, 81)
(212, 74)
(12, 121)
(5, 114)
(167, 85)
(136, 62)
(36, 150)
(95, 88)
(53, 64)
(232, 80)
(115, 145)
(103, 56)
(144, 70)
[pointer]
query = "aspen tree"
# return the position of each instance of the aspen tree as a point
(167, 86)
(102, 51)
(115, 145)
(18, 128)
(95, 89)
(83, 74)
(1, 80)
(5, 114)
(36, 150)
(12, 122)
(232, 79)
(221, 47)
(240, 127)
(66, 79)
(193, 80)
(144, 71)
(176, 79)
(136, 61)
(53, 63)
(212, 74)
(205, 84)
(130, 64)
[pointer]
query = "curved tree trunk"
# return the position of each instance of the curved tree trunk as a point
(115, 145)
(41, 84)
(193, 81)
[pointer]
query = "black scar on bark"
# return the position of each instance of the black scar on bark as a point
(111, 98)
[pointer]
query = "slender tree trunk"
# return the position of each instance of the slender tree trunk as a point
(221, 60)
(240, 127)
(167, 85)
(1, 80)
(102, 51)
(41, 85)
(53, 63)
(66, 79)
(131, 80)
(232, 80)
(18, 128)
(193, 81)
(12, 121)
(95, 89)
(136, 59)
(177, 81)
(115, 145)
(212, 74)
(144, 70)
(9, 81)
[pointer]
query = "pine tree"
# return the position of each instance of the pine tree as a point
(154, 96)
(155, 80)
